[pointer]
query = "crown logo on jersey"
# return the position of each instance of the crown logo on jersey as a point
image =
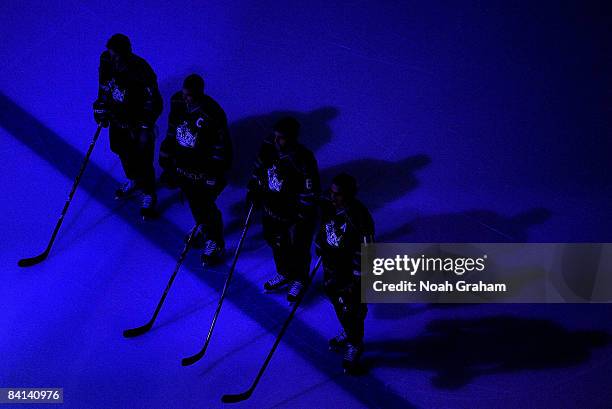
(275, 183)
(117, 93)
(184, 136)
(334, 233)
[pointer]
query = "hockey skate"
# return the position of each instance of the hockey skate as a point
(211, 254)
(275, 282)
(295, 289)
(126, 190)
(338, 343)
(350, 362)
(147, 206)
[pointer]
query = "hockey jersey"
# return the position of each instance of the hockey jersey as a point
(131, 95)
(288, 181)
(341, 233)
(198, 140)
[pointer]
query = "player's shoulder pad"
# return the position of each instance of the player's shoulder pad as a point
(360, 211)
(304, 151)
(105, 56)
(359, 207)
(267, 149)
(177, 98)
(142, 67)
(305, 156)
(137, 60)
(211, 103)
(177, 103)
(212, 107)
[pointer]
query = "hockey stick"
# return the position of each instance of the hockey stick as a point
(239, 397)
(195, 358)
(27, 262)
(134, 332)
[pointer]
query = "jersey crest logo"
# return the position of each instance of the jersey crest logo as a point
(334, 234)
(275, 183)
(117, 93)
(184, 136)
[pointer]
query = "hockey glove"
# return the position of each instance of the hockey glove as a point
(101, 113)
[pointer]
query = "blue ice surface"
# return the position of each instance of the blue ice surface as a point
(470, 121)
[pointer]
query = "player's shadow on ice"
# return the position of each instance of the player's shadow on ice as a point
(459, 350)
(248, 133)
(472, 226)
(380, 182)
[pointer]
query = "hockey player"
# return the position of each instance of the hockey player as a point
(285, 182)
(345, 225)
(129, 102)
(195, 155)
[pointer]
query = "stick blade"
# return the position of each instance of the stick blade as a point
(192, 359)
(134, 332)
(28, 262)
(238, 397)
